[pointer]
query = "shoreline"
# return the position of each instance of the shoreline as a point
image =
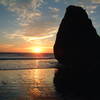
(25, 58)
(28, 68)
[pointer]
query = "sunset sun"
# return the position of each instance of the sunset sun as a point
(37, 50)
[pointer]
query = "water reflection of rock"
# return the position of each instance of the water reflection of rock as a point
(75, 84)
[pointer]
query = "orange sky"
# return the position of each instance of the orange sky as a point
(34, 49)
(29, 24)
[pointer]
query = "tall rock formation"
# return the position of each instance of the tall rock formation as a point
(77, 41)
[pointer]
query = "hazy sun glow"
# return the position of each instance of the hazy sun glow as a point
(37, 50)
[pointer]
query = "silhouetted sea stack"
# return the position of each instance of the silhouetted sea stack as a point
(77, 41)
(77, 48)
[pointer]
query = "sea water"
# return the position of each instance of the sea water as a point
(17, 61)
(27, 79)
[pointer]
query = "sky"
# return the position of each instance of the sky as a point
(29, 24)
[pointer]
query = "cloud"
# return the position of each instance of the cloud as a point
(55, 16)
(57, 1)
(29, 36)
(95, 1)
(25, 10)
(41, 39)
(54, 10)
(41, 28)
(13, 48)
(89, 8)
(30, 18)
(6, 45)
(37, 38)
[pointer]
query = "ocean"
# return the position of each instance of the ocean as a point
(15, 61)
(27, 76)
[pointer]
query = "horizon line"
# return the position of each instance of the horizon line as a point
(28, 52)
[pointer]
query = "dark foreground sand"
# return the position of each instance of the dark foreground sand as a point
(33, 84)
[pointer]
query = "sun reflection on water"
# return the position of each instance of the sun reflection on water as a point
(27, 84)
(35, 92)
(36, 63)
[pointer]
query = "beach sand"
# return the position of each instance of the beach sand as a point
(33, 84)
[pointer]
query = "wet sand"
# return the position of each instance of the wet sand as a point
(33, 84)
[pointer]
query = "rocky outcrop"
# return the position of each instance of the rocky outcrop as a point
(77, 48)
(77, 40)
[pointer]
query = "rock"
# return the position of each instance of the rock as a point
(77, 48)
(77, 41)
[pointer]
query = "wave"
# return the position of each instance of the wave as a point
(25, 58)
(27, 64)
(28, 68)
